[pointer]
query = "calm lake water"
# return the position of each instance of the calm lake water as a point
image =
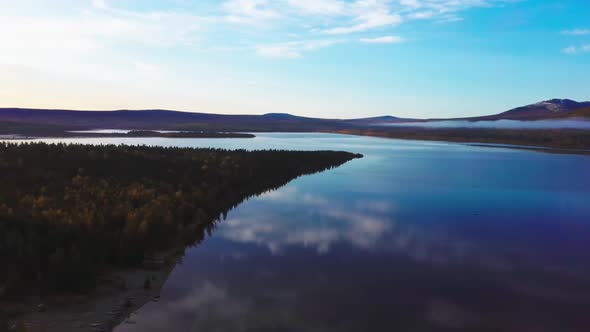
(416, 236)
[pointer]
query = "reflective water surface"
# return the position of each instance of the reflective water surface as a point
(416, 236)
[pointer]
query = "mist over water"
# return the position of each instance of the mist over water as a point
(499, 124)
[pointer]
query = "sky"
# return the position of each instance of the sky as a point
(319, 58)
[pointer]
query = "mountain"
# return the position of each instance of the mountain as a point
(542, 110)
(583, 113)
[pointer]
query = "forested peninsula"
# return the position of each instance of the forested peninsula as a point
(70, 212)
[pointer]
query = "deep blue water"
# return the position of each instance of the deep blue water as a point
(416, 236)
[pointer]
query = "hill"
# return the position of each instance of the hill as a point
(164, 120)
(583, 113)
(547, 109)
(544, 109)
(56, 120)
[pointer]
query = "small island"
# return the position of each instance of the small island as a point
(18, 131)
(186, 134)
(75, 219)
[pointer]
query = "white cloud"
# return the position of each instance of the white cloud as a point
(422, 15)
(450, 18)
(368, 14)
(97, 35)
(100, 4)
(383, 40)
(577, 32)
(576, 49)
(445, 10)
(249, 11)
(291, 50)
(371, 21)
(99, 29)
(319, 7)
(284, 51)
(411, 3)
(100, 25)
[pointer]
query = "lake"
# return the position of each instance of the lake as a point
(416, 236)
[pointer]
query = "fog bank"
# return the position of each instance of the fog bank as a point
(499, 124)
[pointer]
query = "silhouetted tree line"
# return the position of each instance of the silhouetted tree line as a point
(66, 211)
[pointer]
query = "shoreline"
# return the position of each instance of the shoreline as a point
(479, 143)
(107, 306)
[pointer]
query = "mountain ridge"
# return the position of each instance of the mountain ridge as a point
(178, 120)
(543, 109)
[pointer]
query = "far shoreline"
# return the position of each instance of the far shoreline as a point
(483, 142)
(130, 134)
(480, 142)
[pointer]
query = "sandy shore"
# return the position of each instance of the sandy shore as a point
(106, 307)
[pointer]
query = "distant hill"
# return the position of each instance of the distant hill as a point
(29, 120)
(583, 113)
(547, 109)
(377, 120)
(175, 120)
(109, 119)
(165, 119)
(544, 110)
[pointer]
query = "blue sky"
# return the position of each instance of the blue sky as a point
(322, 58)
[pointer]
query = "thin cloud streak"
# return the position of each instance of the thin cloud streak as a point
(292, 50)
(577, 32)
(383, 40)
(571, 50)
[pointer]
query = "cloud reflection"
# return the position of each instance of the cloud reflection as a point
(315, 222)
(209, 306)
(291, 217)
(295, 218)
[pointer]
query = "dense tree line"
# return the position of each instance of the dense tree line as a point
(66, 211)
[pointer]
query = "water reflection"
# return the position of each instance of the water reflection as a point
(322, 222)
(413, 237)
(292, 260)
(313, 221)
